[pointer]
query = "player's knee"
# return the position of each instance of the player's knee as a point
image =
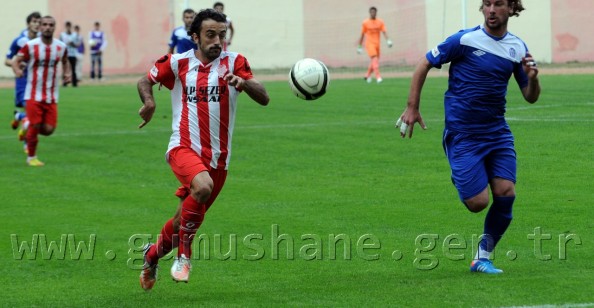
(502, 187)
(46, 130)
(504, 190)
(476, 205)
(202, 192)
(479, 202)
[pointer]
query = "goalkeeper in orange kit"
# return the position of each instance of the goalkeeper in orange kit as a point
(372, 27)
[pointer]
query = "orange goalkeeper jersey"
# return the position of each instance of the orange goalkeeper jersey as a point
(372, 29)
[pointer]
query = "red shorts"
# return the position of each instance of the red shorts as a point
(186, 164)
(38, 113)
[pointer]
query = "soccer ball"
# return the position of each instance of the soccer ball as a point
(92, 43)
(309, 79)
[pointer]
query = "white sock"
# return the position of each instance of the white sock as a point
(480, 253)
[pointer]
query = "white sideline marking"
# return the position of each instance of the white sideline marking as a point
(556, 306)
(515, 119)
(535, 106)
(541, 106)
(280, 126)
(139, 131)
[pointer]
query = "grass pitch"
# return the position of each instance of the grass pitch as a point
(325, 205)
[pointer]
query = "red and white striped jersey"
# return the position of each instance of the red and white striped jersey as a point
(42, 66)
(203, 104)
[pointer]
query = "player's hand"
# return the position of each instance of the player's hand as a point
(406, 122)
(234, 80)
(146, 113)
(529, 65)
(18, 73)
(359, 49)
(389, 42)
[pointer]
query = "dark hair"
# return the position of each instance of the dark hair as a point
(35, 15)
(188, 11)
(48, 17)
(97, 23)
(372, 8)
(516, 5)
(218, 4)
(68, 24)
(202, 16)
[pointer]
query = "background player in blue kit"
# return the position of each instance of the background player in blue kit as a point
(21, 82)
(477, 140)
(180, 40)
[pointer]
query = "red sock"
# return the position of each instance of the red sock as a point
(165, 243)
(192, 215)
(32, 139)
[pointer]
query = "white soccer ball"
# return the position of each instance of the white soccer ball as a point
(92, 43)
(309, 79)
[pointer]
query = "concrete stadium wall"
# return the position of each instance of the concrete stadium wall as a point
(136, 30)
(572, 38)
(276, 33)
(269, 33)
(442, 23)
(273, 33)
(13, 16)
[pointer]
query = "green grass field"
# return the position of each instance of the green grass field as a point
(325, 205)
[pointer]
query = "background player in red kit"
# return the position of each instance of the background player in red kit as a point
(42, 56)
(204, 86)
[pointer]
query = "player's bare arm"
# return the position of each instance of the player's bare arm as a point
(67, 75)
(145, 91)
(532, 91)
(388, 40)
(254, 89)
(16, 68)
(231, 31)
(411, 114)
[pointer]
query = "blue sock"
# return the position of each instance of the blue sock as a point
(498, 219)
(20, 115)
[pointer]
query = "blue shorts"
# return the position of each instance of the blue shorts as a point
(475, 159)
(19, 91)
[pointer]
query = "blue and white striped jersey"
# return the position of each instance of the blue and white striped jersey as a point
(480, 69)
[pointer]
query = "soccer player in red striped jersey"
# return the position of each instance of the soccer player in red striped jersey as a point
(204, 85)
(42, 56)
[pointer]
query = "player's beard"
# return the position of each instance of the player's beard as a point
(212, 53)
(47, 35)
(497, 25)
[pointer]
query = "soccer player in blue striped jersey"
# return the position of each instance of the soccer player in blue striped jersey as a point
(477, 140)
(30, 33)
(180, 40)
